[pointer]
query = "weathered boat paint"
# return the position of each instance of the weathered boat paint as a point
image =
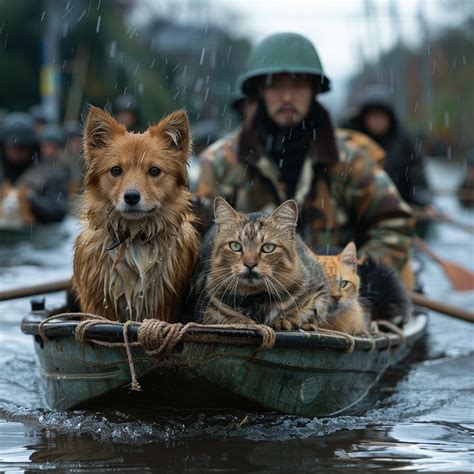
(307, 374)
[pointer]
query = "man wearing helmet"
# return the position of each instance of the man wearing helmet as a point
(290, 149)
(33, 188)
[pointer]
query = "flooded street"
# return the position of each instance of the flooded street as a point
(420, 417)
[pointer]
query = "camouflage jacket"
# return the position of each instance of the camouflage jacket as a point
(348, 198)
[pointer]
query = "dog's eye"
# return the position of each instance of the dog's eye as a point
(115, 171)
(235, 246)
(268, 247)
(154, 171)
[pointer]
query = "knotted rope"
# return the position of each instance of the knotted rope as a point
(159, 337)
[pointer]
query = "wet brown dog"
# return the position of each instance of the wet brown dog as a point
(137, 249)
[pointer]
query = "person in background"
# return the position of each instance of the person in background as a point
(376, 117)
(73, 157)
(40, 118)
(290, 149)
(33, 189)
(126, 111)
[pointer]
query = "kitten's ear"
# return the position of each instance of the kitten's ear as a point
(100, 129)
(223, 211)
(287, 213)
(349, 255)
(174, 130)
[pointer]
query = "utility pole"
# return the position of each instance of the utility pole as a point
(398, 69)
(49, 74)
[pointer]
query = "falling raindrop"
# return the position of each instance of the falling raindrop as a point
(203, 52)
(43, 14)
(97, 28)
(113, 49)
(82, 15)
(446, 119)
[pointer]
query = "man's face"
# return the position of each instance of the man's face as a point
(288, 98)
(377, 121)
(18, 155)
(50, 150)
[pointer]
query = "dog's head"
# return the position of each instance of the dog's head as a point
(136, 175)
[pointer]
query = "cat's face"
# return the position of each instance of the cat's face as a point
(343, 279)
(256, 253)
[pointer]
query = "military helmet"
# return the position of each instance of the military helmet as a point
(52, 134)
(40, 114)
(18, 129)
(125, 103)
(284, 53)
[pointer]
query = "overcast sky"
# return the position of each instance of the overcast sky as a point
(341, 29)
(344, 31)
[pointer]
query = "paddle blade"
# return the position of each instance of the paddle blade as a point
(461, 279)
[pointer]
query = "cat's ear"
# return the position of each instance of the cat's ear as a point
(287, 214)
(223, 211)
(349, 255)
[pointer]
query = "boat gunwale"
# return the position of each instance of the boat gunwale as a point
(113, 333)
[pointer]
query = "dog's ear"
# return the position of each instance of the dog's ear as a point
(174, 130)
(100, 128)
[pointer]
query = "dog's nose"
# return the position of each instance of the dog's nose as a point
(131, 197)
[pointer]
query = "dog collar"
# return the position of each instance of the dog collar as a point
(126, 235)
(116, 242)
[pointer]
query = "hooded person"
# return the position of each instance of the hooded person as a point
(376, 117)
(290, 149)
(126, 111)
(33, 189)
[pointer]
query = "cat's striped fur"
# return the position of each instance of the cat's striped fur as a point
(254, 268)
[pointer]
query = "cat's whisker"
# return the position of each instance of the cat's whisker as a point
(285, 291)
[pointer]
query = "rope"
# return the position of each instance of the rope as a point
(331, 332)
(159, 337)
(394, 328)
(66, 316)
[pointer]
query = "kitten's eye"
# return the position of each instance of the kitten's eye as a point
(235, 246)
(268, 247)
(343, 283)
(154, 171)
(115, 171)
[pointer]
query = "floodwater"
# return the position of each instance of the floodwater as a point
(420, 417)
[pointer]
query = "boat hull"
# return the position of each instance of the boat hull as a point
(303, 374)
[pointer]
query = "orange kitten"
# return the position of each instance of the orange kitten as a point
(345, 313)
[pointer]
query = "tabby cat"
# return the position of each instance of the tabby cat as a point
(345, 313)
(254, 268)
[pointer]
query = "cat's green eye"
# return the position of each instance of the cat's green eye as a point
(268, 247)
(343, 283)
(235, 246)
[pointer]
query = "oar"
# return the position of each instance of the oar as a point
(461, 278)
(51, 287)
(442, 308)
(444, 219)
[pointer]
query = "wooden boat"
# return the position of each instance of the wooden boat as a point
(308, 374)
